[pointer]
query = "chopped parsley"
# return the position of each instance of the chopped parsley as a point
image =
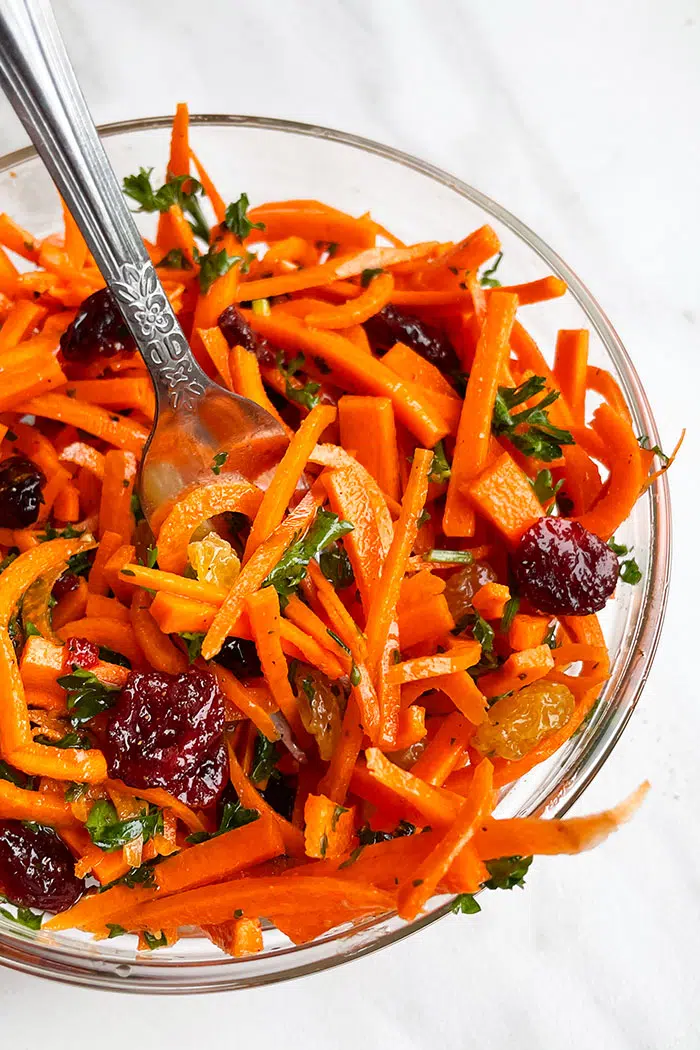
(237, 220)
(336, 567)
(109, 833)
(115, 930)
(140, 189)
(507, 872)
(630, 572)
(153, 942)
(233, 815)
(466, 904)
(265, 758)
(644, 443)
(307, 394)
(193, 641)
(511, 608)
(31, 920)
(215, 264)
(546, 489)
(530, 430)
(292, 567)
(440, 470)
(486, 278)
(218, 462)
(86, 696)
(368, 275)
(174, 260)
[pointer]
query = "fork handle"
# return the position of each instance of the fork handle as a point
(38, 79)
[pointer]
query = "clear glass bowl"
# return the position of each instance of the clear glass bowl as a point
(274, 160)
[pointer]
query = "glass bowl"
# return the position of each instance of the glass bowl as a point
(274, 160)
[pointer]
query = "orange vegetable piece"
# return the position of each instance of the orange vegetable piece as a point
(490, 600)
(329, 827)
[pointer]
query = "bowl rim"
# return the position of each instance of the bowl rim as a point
(66, 964)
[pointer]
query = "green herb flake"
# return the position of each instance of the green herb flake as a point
(449, 557)
(31, 920)
(115, 930)
(618, 548)
(630, 572)
(546, 489)
(529, 430)
(466, 904)
(174, 260)
(483, 633)
(218, 462)
(30, 630)
(323, 845)
(293, 565)
(423, 518)
(509, 611)
(86, 696)
(154, 942)
(182, 190)
(109, 833)
(507, 872)
(193, 641)
(486, 278)
(355, 676)
(305, 394)
(440, 471)
(368, 275)
(265, 758)
(336, 815)
(215, 264)
(237, 220)
(336, 567)
(644, 444)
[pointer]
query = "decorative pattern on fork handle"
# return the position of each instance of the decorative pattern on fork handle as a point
(141, 296)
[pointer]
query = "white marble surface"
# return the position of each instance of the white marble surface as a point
(582, 119)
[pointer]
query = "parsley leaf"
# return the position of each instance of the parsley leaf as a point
(87, 695)
(540, 439)
(546, 489)
(81, 741)
(145, 875)
(440, 471)
(618, 548)
(307, 394)
(115, 930)
(109, 833)
(13, 776)
(237, 220)
(233, 815)
(483, 633)
(291, 568)
(466, 904)
(511, 608)
(193, 640)
(174, 260)
(215, 264)
(507, 872)
(218, 462)
(31, 920)
(136, 509)
(550, 638)
(644, 443)
(139, 188)
(8, 559)
(486, 278)
(630, 572)
(154, 942)
(265, 758)
(30, 631)
(368, 275)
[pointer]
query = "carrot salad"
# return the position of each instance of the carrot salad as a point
(296, 705)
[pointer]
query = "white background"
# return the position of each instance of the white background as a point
(582, 118)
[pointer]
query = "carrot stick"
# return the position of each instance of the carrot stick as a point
(414, 892)
(49, 809)
(367, 425)
(474, 433)
(257, 568)
(134, 392)
(222, 292)
(85, 456)
(244, 701)
(71, 606)
(625, 481)
(459, 687)
(352, 366)
(117, 487)
(212, 193)
(155, 646)
(527, 632)
(458, 659)
(425, 622)
(436, 806)
(171, 583)
(570, 369)
(328, 828)
(469, 254)
(313, 221)
(107, 632)
(519, 670)
(247, 381)
(606, 385)
(23, 317)
(535, 291)
(286, 478)
(504, 495)
(444, 751)
(18, 240)
(218, 350)
(196, 507)
(264, 612)
(356, 311)
(252, 799)
(336, 781)
(110, 427)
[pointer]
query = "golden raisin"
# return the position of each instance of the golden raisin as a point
(214, 560)
(319, 706)
(518, 722)
(461, 587)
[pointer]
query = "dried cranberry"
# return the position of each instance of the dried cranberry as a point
(64, 585)
(97, 331)
(391, 326)
(563, 568)
(37, 868)
(20, 492)
(237, 332)
(167, 731)
(81, 653)
(241, 657)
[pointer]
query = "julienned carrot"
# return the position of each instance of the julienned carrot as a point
(109, 426)
(457, 659)
(42, 663)
(134, 392)
(257, 568)
(368, 427)
(313, 221)
(178, 164)
(336, 780)
(247, 381)
(356, 311)
(243, 700)
(538, 291)
(350, 365)
(491, 599)
(519, 670)
(154, 644)
(600, 380)
(86, 456)
(338, 616)
(171, 583)
(15, 731)
(19, 804)
(252, 799)
(303, 617)
(117, 487)
(386, 595)
(329, 827)
(460, 687)
(444, 751)
(107, 632)
(22, 318)
(625, 481)
(98, 605)
(414, 892)
(215, 198)
(474, 433)
(218, 350)
(223, 289)
(264, 612)
(468, 254)
(570, 369)
(281, 488)
(196, 507)
(504, 495)
(71, 606)
(337, 458)
(410, 365)
(175, 613)
(436, 806)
